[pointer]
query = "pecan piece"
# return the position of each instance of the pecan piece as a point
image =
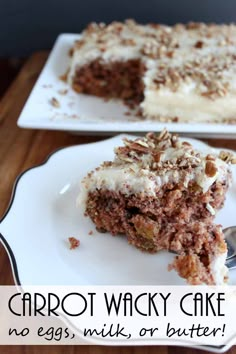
(210, 157)
(157, 156)
(228, 157)
(210, 168)
(54, 102)
(199, 44)
(74, 242)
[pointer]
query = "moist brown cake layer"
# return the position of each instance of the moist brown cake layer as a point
(120, 79)
(111, 210)
(176, 220)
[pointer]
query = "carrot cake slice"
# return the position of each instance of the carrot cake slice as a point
(181, 73)
(163, 194)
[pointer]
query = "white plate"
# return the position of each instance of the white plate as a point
(82, 113)
(42, 215)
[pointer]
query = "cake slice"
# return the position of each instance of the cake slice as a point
(180, 73)
(161, 193)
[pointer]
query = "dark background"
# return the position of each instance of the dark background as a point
(30, 25)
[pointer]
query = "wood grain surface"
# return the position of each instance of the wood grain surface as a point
(21, 149)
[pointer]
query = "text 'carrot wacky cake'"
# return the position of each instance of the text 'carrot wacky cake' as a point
(163, 194)
(171, 73)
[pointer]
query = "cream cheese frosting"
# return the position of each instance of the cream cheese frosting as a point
(218, 268)
(144, 165)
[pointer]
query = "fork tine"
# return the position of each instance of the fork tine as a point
(231, 263)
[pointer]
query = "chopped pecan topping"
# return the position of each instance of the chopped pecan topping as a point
(210, 168)
(210, 157)
(130, 22)
(94, 27)
(173, 75)
(152, 49)
(199, 44)
(209, 71)
(159, 80)
(193, 25)
(70, 52)
(138, 147)
(157, 156)
(170, 54)
(206, 71)
(186, 143)
(149, 153)
(54, 102)
(164, 135)
(128, 41)
(78, 44)
(228, 157)
(107, 164)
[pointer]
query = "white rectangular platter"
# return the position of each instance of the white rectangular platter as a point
(86, 114)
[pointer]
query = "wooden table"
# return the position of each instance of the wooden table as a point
(21, 149)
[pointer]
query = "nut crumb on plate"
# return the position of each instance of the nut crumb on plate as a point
(63, 92)
(54, 102)
(74, 243)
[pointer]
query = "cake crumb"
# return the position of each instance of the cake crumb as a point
(54, 102)
(90, 232)
(63, 92)
(74, 243)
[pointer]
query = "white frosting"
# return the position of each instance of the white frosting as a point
(187, 107)
(218, 269)
(130, 178)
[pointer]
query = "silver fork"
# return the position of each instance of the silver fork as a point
(230, 237)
